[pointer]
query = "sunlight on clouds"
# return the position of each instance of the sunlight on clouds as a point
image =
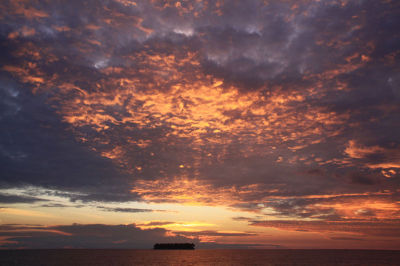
(21, 212)
(358, 151)
(160, 113)
(197, 111)
(177, 225)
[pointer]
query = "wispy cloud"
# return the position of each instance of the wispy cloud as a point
(10, 198)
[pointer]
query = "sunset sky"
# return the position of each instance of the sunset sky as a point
(226, 123)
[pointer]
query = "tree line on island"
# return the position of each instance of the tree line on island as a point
(174, 246)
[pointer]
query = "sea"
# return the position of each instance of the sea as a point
(90, 257)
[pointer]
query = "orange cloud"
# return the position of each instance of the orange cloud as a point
(357, 151)
(22, 7)
(386, 228)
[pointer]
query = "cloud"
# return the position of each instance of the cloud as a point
(102, 236)
(374, 156)
(10, 199)
(348, 238)
(386, 228)
(157, 223)
(213, 104)
(358, 178)
(59, 205)
(242, 218)
(213, 233)
(316, 172)
(91, 236)
(124, 209)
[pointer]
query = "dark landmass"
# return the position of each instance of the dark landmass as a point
(174, 246)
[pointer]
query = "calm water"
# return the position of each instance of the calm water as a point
(198, 257)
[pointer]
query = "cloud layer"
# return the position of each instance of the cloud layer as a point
(101, 236)
(287, 109)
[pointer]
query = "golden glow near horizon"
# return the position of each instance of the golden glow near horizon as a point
(164, 120)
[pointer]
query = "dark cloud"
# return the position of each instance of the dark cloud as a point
(358, 178)
(36, 148)
(14, 227)
(103, 236)
(316, 172)
(124, 209)
(9, 199)
(241, 218)
(59, 205)
(93, 236)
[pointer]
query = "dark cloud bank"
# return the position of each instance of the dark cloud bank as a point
(99, 236)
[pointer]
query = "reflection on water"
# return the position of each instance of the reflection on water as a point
(198, 257)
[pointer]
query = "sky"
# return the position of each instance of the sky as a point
(228, 124)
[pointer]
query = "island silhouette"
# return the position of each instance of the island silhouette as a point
(174, 246)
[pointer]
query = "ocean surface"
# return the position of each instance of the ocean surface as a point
(198, 257)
